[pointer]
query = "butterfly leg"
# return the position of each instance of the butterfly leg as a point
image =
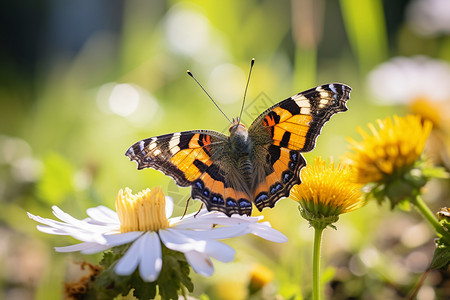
(185, 209)
(201, 206)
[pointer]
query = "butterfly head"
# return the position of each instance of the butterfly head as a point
(239, 138)
(237, 127)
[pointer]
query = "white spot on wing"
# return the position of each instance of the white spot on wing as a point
(332, 88)
(324, 94)
(174, 142)
(152, 145)
(157, 152)
(305, 111)
(141, 145)
(298, 97)
(303, 103)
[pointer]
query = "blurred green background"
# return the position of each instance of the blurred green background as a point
(81, 81)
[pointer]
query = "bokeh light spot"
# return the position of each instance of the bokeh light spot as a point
(124, 99)
(187, 31)
(227, 83)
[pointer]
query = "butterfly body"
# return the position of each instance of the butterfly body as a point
(256, 166)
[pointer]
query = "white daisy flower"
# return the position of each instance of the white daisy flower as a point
(402, 80)
(144, 220)
(429, 17)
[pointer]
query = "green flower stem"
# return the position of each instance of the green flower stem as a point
(316, 262)
(428, 214)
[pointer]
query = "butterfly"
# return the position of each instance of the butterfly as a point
(256, 166)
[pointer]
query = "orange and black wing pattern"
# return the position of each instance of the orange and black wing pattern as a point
(196, 159)
(285, 130)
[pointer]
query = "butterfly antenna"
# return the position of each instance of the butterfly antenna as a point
(190, 74)
(246, 87)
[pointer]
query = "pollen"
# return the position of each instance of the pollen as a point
(144, 211)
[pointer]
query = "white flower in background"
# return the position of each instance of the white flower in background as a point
(402, 80)
(143, 220)
(429, 17)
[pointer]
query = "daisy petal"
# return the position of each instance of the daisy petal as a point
(267, 232)
(207, 220)
(59, 228)
(169, 206)
(122, 238)
(51, 230)
(219, 251)
(189, 224)
(217, 233)
(175, 240)
(77, 247)
(65, 217)
(80, 230)
(200, 263)
(103, 215)
(129, 262)
(49, 222)
(151, 257)
(96, 249)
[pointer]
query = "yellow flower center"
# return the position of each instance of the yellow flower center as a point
(142, 212)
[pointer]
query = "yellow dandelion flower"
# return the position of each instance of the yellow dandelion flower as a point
(389, 151)
(326, 192)
(427, 110)
(260, 276)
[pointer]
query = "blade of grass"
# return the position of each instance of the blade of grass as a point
(365, 25)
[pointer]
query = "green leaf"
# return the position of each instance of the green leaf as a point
(108, 284)
(441, 258)
(142, 289)
(174, 275)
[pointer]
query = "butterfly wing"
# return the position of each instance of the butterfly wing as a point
(285, 130)
(198, 159)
